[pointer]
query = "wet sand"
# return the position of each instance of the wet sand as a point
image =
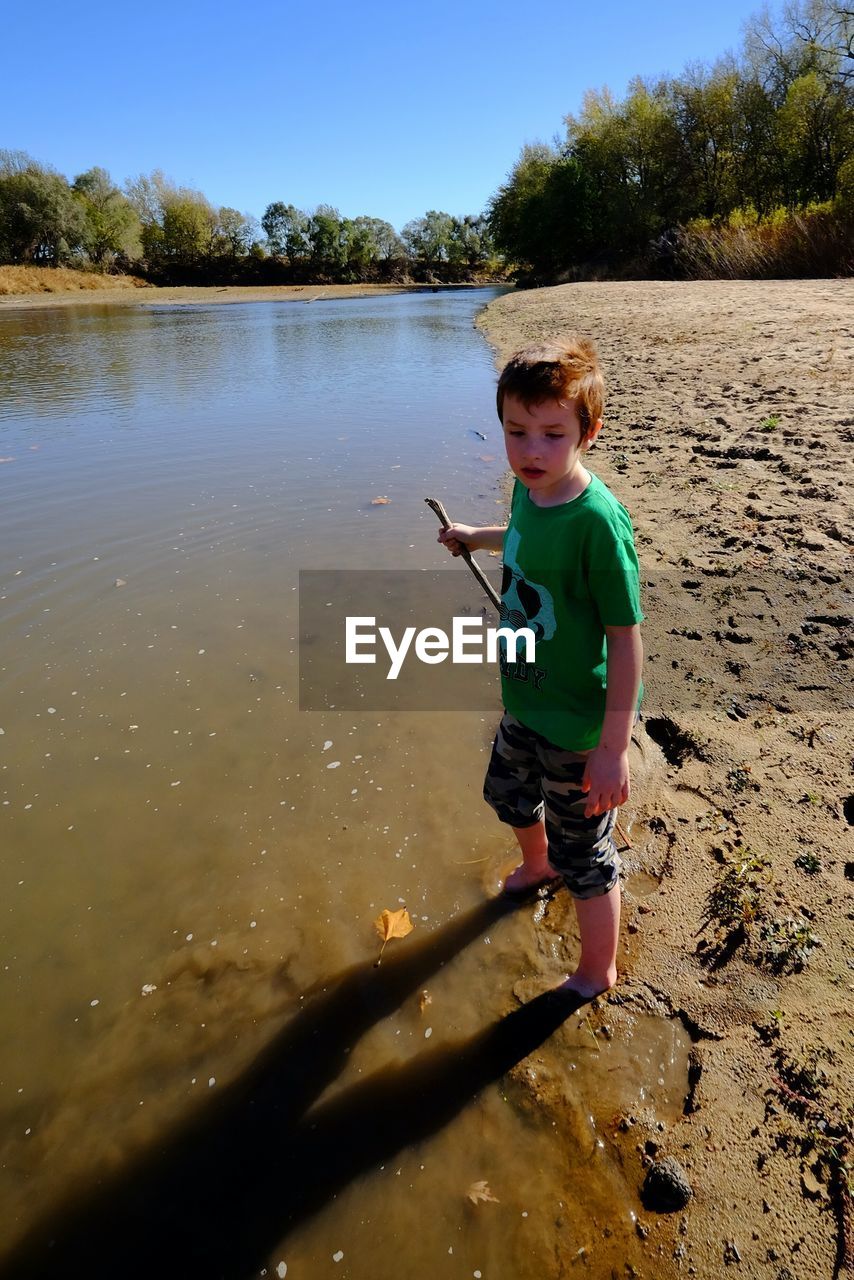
(728, 432)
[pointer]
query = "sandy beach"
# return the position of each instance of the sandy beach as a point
(728, 431)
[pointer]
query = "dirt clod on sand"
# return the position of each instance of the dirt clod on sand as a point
(665, 1187)
(728, 434)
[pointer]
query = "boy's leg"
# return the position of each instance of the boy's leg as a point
(599, 927)
(512, 789)
(583, 850)
(534, 868)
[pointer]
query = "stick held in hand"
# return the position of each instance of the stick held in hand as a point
(436, 506)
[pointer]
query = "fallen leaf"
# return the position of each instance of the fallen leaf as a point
(812, 1186)
(480, 1191)
(423, 1000)
(380, 502)
(486, 457)
(392, 924)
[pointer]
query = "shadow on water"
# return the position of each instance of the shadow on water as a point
(219, 1193)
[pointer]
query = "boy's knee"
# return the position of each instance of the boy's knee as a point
(511, 807)
(590, 867)
(588, 886)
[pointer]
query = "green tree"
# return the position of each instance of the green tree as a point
(286, 229)
(470, 241)
(428, 239)
(179, 225)
(543, 217)
(359, 249)
(40, 220)
(516, 212)
(816, 135)
(759, 168)
(371, 248)
(112, 223)
(189, 228)
(327, 251)
(388, 244)
(234, 234)
(147, 194)
(632, 159)
(707, 107)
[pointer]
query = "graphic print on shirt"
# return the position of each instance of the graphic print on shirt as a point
(523, 604)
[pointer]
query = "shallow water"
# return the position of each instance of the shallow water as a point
(188, 860)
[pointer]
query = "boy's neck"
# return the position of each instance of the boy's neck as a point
(571, 487)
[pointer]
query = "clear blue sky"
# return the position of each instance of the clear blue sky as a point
(374, 107)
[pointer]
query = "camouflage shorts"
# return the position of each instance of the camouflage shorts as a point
(529, 778)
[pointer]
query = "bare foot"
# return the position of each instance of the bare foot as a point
(525, 878)
(589, 986)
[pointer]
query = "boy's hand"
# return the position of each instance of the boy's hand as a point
(606, 780)
(458, 536)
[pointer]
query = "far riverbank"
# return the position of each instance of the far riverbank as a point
(75, 288)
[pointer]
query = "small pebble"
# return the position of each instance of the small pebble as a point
(336, 1257)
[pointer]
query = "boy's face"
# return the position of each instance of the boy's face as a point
(545, 449)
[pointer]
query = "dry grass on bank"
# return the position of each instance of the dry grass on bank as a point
(810, 243)
(15, 280)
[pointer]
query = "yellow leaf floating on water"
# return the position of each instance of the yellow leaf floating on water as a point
(480, 1191)
(380, 502)
(392, 924)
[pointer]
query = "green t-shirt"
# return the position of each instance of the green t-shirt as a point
(569, 571)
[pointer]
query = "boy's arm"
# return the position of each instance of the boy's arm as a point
(606, 776)
(484, 538)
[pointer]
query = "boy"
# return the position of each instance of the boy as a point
(559, 768)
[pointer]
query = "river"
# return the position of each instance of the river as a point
(191, 864)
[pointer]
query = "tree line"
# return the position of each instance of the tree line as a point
(173, 234)
(744, 167)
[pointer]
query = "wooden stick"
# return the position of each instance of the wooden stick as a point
(436, 506)
(621, 833)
